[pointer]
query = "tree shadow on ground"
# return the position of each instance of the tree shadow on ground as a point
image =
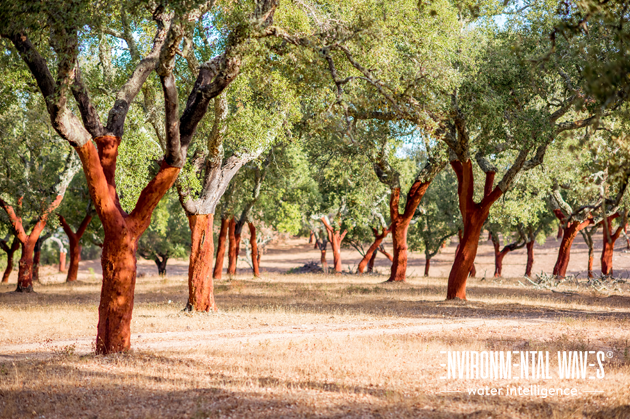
(145, 385)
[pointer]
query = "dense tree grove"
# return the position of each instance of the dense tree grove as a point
(352, 123)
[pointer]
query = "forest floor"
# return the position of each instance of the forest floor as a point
(312, 345)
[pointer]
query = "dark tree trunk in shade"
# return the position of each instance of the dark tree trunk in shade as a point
(10, 251)
(160, 263)
(370, 266)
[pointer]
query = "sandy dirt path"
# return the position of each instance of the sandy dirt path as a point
(186, 340)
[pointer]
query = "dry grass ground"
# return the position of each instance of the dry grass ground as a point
(305, 346)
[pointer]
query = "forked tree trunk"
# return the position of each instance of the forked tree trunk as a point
(10, 251)
(254, 245)
(500, 255)
(218, 264)
(609, 246)
(335, 238)
(569, 234)
(474, 216)
(28, 242)
(560, 232)
(400, 225)
(371, 252)
(160, 263)
(530, 259)
(200, 286)
(122, 232)
(74, 239)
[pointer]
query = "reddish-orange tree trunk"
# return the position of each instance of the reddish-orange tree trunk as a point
(28, 242)
(371, 252)
(122, 232)
(609, 246)
(235, 245)
(335, 237)
(589, 268)
(569, 233)
(499, 255)
(37, 256)
(200, 287)
(25, 270)
(218, 264)
(74, 239)
(381, 249)
(427, 265)
(400, 225)
(62, 262)
(10, 251)
(474, 216)
(254, 246)
(530, 259)
(498, 268)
